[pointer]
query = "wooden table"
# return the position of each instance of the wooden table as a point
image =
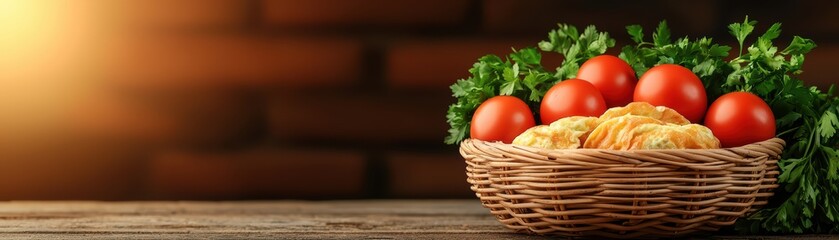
(367, 219)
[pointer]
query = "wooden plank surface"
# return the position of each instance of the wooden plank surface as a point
(364, 219)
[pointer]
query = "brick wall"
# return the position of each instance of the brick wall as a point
(243, 99)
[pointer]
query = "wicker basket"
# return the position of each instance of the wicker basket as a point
(620, 194)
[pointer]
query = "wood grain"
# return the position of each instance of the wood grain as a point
(364, 219)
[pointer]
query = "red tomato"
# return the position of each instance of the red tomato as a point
(673, 86)
(612, 76)
(740, 118)
(572, 97)
(501, 118)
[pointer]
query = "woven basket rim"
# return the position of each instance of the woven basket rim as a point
(768, 142)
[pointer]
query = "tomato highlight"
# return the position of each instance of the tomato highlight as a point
(612, 76)
(501, 118)
(673, 86)
(572, 97)
(740, 118)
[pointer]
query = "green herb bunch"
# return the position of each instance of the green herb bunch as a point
(806, 120)
(521, 74)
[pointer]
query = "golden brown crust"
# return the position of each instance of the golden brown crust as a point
(636, 126)
(616, 133)
(671, 136)
(664, 114)
(547, 137)
(640, 132)
(577, 123)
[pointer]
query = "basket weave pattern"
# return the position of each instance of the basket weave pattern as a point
(620, 194)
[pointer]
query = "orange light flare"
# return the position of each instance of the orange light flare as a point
(46, 49)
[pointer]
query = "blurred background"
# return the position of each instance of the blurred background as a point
(286, 99)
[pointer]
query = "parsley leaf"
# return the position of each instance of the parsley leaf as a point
(636, 32)
(742, 30)
(799, 45)
(828, 124)
(772, 33)
(661, 36)
(575, 47)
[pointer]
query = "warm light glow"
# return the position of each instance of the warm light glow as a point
(44, 58)
(34, 39)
